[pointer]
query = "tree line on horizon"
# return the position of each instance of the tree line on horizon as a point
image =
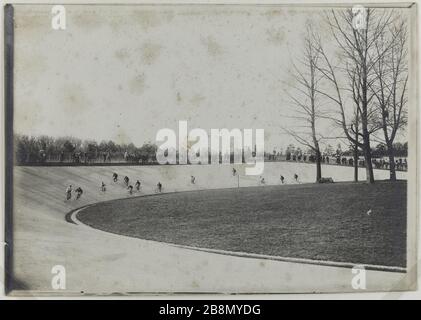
(69, 149)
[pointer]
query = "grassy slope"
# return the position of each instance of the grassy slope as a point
(327, 222)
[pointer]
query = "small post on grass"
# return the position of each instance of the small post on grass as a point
(238, 180)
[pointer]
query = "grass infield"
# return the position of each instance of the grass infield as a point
(312, 221)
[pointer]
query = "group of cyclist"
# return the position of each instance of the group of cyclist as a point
(137, 185)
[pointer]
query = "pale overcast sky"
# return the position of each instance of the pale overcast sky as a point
(124, 72)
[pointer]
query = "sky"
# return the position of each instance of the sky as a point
(124, 72)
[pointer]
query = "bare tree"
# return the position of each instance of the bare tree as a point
(358, 55)
(303, 98)
(354, 84)
(391, 85)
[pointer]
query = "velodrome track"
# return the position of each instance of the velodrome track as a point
(100, 262)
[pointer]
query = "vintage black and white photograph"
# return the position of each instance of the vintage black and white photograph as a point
(210, 148)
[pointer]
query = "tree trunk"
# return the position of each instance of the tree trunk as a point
(318, 166)
(364, 122)
(355, 163)
(356, 153)
(392, 167)
(368, 164)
